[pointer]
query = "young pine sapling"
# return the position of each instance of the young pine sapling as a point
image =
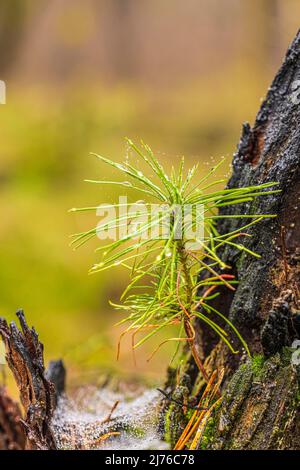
(165, 287)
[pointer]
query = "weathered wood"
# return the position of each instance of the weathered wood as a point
(24, 355)
(260, 408)
(56, 374)
(265, 307)
(12, 436)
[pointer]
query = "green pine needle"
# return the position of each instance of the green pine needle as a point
(164, 281)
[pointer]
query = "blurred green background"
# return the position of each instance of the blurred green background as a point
(81, 75)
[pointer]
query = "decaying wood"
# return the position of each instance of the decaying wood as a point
(56, 374)
(39, 393)
(260, 409)
(24, 355)
(12, 436)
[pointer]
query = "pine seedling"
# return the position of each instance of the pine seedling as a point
(164, 284)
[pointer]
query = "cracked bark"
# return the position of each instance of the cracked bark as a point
(24, 355)
(260, 409)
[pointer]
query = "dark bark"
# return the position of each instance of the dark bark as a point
(56, 373)
(260, 409)
(24, 355)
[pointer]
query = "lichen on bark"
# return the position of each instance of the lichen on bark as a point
(259, 408)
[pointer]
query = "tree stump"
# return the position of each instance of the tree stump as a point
(260, 409)
(24, 355)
